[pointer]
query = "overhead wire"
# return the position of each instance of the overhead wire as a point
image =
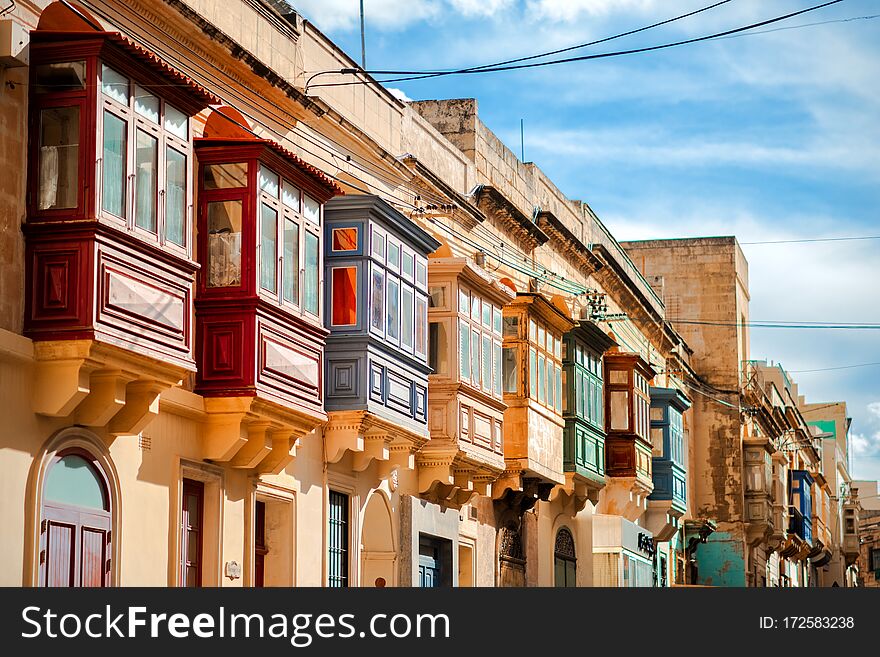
(580, 58)
(574, 47)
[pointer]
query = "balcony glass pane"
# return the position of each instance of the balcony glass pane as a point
(224, 243)
(268, 248)
(175, 196)
(290, 262)
(146, 180)
(147, 105)
(464, 350)
(176, 122)
(377, 299)
(533, 374)
(392, 301)
(496, 359)
(438, 348)
(114, 165)
(421, 321)
(311, 209)
(269, 182)
(225, 176)
(344, 296)
(406, 316)
(475, 357)
(619, 410)
(59, 158)
(310, 273)
(60, 76)
(542, 381)
(290, 196)
(344, 239)
(510, 369)
(114, 85)
(486, 361)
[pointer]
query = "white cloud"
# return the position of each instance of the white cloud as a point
(399, 95)
(392, 15)
(568, 10)
(344, 15)
(481, 7)
(865, 446)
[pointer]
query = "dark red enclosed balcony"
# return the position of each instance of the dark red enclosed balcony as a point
(259, 326)
(109, 267)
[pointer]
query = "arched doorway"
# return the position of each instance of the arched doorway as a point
(564, 559)
(511, 558)
(378, 555)
(76, 517)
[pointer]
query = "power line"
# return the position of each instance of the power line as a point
(817, 239)
(580, 58)
(570, 48)
(797, 27)
(829, 369)
(764, 324)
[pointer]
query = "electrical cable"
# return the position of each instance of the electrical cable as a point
(580, 58)
(570, 48)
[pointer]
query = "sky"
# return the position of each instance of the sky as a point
(771, 136)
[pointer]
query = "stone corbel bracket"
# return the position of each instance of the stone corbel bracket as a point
(447, 480)
(575, 494)
(625, 496)
(663, 519)
(251, 434)
(370, 438)
(99, 385)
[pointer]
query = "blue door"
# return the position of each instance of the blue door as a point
(430, 574)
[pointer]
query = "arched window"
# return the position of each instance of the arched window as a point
(76, 518)
(564, 558)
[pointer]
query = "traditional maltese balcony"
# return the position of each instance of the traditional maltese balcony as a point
(258, 309)
(667, 503)
(533, 327)
(758, 455)
(376, 299)
(109, 266)
(628, 450)
(583, 403)
(465, 454)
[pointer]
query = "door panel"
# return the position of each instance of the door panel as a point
(60, 554)
(94, 557)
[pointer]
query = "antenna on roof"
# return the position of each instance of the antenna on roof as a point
(522, 141)
(363, 42)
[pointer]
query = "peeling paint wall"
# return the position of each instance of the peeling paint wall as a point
(721, 561)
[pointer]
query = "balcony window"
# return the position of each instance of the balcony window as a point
(148, 137)
(344, 239)
(268, 247)
(310, 274)
(224, 243)
(344, 296)
(115, 169)
(59, 174)
(628, 399)
(438, 349)
(478, 342)
(225, 176)
(290, 262)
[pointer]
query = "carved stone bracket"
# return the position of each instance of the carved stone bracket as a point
(575, 494)
(663, 519)
(99, 385)
(370, 438)
(252, 434)
(625, 496)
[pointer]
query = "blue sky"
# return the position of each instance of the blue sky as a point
(767, 137)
